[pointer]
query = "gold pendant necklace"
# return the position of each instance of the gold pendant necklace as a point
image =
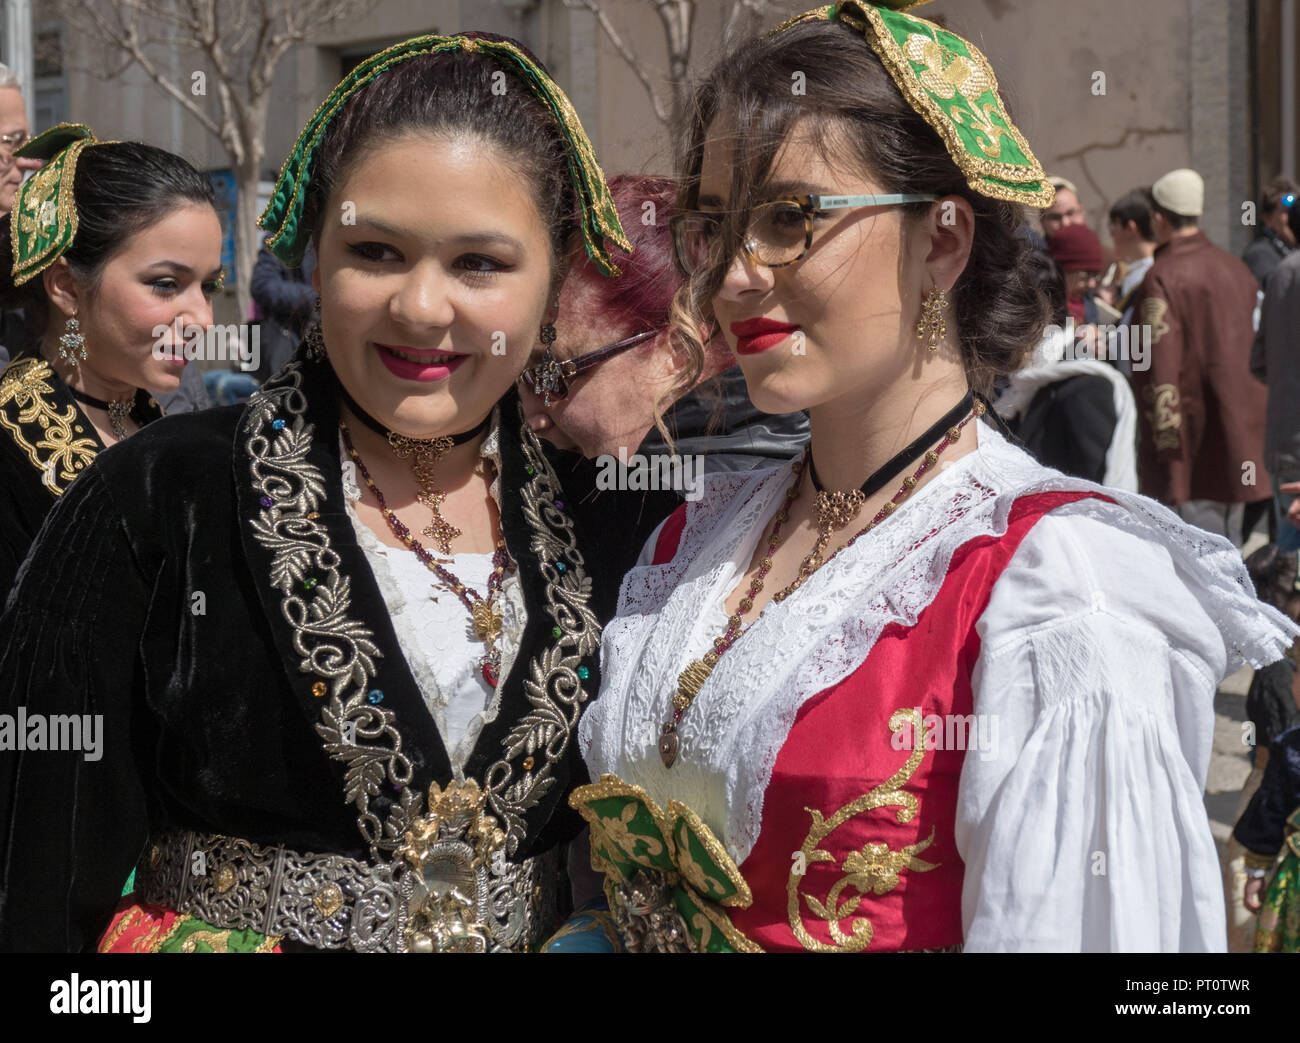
(423, 454)
(486, 618)
(833, 511)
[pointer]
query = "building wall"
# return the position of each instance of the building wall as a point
(1177, 84)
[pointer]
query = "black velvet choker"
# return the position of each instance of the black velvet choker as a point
(380, 429)
(99, 403)
(892, 468)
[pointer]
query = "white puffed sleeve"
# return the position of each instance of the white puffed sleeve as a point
(1083, 829)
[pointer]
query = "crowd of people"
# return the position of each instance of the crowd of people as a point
(956, 466)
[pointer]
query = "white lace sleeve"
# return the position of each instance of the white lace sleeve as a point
(1083, 829)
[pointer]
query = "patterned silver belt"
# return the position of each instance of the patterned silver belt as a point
(456, 901)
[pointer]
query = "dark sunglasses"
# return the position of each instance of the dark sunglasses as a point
(550, 377)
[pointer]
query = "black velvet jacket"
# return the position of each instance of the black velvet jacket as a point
(201, 586)
(1272, 817)
(45, 442)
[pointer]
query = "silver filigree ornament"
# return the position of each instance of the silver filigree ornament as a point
(72, 343)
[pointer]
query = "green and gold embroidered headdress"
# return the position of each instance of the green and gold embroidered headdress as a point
(283, 217)
(949, 82)
(44, 219)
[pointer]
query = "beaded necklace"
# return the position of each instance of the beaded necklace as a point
(485, 613)
(833, 511)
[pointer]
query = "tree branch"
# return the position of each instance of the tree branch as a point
(125, 37)
(625, 52)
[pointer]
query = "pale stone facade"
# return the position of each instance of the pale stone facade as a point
(1178, 82)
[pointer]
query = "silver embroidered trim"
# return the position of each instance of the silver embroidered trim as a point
(554, 690)
(333, 645)
(335, 902)
(342, 650)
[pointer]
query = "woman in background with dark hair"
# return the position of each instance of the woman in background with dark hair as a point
(116, 240)
(969, 701)
(340, 637)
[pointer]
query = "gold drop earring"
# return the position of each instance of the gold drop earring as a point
(932, 325)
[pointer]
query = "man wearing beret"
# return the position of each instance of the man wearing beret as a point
(1077, 253)
(1201, 413)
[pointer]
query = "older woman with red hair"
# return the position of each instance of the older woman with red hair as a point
(614, 379)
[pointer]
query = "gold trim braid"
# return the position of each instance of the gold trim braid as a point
(50, 434)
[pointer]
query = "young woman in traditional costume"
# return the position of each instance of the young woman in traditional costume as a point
(969, 700)
(110, 243)
(340, 638)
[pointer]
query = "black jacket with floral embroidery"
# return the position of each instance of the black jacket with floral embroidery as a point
(202, 588)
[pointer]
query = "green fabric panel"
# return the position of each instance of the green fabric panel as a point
(197, 936)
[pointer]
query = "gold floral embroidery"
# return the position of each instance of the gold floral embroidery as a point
(30, 413)
(695, 875)
(875, 869)
(1153, 314)
(217, 941)
(1015, 179)
(623, 836)
(1165, 419)
(47, 213)
(158, 941)
(670, 860)
(946, 75)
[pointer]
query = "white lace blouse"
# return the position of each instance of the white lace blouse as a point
(433, 626)
(1083, 827)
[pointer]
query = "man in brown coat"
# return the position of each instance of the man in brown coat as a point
(1201, 413)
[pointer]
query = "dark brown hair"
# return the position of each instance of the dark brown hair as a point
(120, 188)
(1134, 206)
(1275, 191)
(1000, 310)
(452, 93)
(1273, 572)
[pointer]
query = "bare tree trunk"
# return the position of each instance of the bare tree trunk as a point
(239, 43)
(248, 239)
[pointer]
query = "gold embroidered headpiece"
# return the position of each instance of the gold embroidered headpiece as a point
(283, 217)
(951, 84)
(44, 220)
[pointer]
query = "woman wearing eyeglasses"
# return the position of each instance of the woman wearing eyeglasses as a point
(614, 380)
(913, 690)
(339, 639)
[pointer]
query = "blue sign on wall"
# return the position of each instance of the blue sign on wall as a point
(223, 182)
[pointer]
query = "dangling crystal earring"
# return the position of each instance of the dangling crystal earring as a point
(547, 334)
(72, 342)
(314, 340)
(932, 325)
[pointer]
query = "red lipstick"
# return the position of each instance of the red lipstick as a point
(757, 335)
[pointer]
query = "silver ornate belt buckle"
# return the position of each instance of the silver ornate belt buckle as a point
(451, 849)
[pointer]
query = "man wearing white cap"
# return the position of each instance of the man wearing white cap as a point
(1201, 425)
(1066, 209)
